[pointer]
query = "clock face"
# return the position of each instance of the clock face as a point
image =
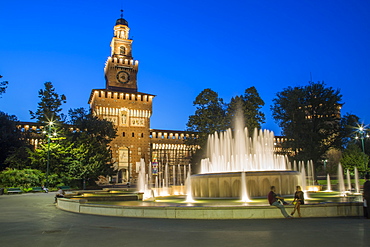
(123, 77)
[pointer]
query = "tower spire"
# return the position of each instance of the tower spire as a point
(121, 68)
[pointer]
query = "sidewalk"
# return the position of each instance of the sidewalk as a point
(33, 220)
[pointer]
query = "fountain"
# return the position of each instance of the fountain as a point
(189, 194)
(244, 192)
(357, 182)
(141, 177)
(328, 183)
(349, 187)
(231, 153)
(303, 177)
(341, 187)
(237, 167)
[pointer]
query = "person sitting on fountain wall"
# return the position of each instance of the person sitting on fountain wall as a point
(60, 194)
(366, 195)
(274, 198)
(299, 199)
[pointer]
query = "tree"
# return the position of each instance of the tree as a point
(3, 86)
(20, 158)
(310, 119)
(81, 154)
(354, 157)
(59, 159)
(91, 151)
(330, 161)
(49, 108)
(49, 113)
(250, 104)
(347, 128)
(210, 116)
(10, 137)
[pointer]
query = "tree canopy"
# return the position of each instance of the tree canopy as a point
(250, 104)
(91, 150)
(11, 137)
(213, 114)
(310, 118)
(49, 108)
(348, 123)
(3, 86)
(354, 157)
(209, 115)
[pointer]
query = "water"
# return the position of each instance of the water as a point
(328, 182)
(166, 175)
(179, 174)
(295, 166)
(141, 176)
(241, 153)
(349, 187)
(309, 174)
(244, 192)
(303, 177)
(189, 193)
(312, 172)
(341, 180)
(174, 175)
(357, 183)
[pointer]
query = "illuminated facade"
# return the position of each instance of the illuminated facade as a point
(130, 111)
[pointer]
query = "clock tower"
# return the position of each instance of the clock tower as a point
(121, 68)
(122, 104)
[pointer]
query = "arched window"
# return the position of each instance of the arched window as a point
(122, 50)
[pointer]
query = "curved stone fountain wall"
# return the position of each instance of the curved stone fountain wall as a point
(258, 183)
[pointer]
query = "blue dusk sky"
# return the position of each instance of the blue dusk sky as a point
(184, 47)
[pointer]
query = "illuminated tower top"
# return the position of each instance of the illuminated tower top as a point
(121, 68)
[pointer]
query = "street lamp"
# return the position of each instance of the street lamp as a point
(362, 131)
(48, 160)
(325, 164)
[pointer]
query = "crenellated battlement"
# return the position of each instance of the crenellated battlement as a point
(116, 61)
(106, 94)
(171, 134)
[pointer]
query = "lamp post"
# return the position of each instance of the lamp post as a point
(325, 164)
(362, 135)
(48, 160)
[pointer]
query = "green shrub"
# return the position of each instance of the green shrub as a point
(25, 178)
(26, 189)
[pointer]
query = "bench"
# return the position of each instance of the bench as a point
(14, 190)
(37, 189)
(64, 187)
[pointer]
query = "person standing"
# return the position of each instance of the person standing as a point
(299, 200)
(274, 198)
(366, 195)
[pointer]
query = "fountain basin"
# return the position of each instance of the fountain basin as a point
(151, 210)
(258, 183)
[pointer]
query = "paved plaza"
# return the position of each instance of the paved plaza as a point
(33, 220)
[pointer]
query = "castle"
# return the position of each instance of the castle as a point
(130, 110)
